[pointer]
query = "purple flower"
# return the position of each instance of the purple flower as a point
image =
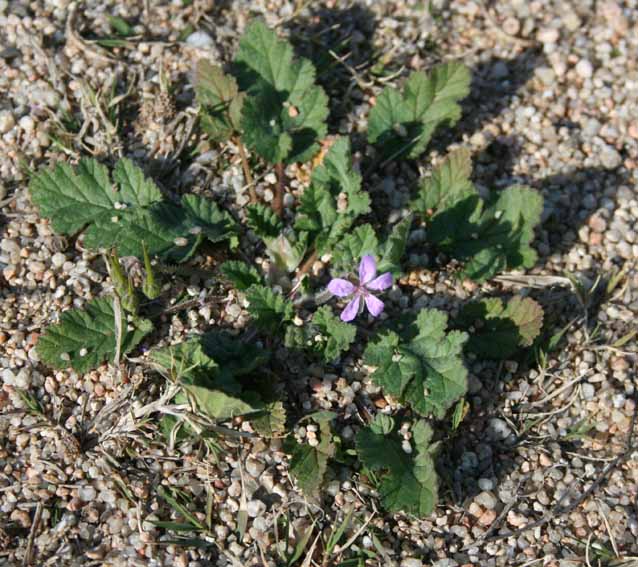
(368, 282)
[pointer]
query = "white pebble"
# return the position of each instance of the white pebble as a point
(584, 69)
(199, 39)
(7, 121)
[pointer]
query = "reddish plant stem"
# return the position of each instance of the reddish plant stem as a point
(307, 265)
(278, 200)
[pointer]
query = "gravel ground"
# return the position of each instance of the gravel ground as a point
(554, 104)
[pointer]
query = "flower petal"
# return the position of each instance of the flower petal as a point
(367, 269)
(384, 281)
(351, 310)
(340, 287)
(374, 305)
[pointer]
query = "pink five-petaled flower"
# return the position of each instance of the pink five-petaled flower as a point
(368, 282)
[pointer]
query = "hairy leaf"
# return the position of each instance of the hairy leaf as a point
(134, 187)
(240, 274)
(126, 217)
(409, 481)
(403, 124)
(283, 116)
(308, 464)
(73, 199)
(264, 221)
(207, 217)
(424, 368)
(164, 228)
(488, 238)
(325, 335)
(221, 102)
(84, 338)
(498, 330)
(347, 253)
(212, 369)
(217, 403)
(394, 247)
(449, 183)
(287, 250)
(334, 199)
(271, 421)
(269, 309)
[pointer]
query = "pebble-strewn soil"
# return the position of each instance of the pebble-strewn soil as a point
(554, 104)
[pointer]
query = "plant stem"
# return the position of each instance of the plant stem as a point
(247, 175)
(305, 267)
(278, 200)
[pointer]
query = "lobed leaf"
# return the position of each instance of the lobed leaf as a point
(488, 238)
(263, 221)
(394, 247)
(425, 368)
(268, 309)
(347, 253)
(85, 338)
(334, 199)
(403, 124)
(409, 482)
(325, 335)
(204, 215)
(126, 217)
(283, 116)
(308, 464)
(498, 330)
(220, 100)
(240, 274)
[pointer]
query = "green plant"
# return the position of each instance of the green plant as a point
(268, 104)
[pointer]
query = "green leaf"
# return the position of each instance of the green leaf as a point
(126, 218)
(186, 360)
(85, 338)
(488, 238)
(403, 124)
(73, 199)
(234, 355)
(263, 221)
(217, 404)
(272, 421)
(336, 175)
(308, 464)
(283, 116)
(221, 102)
(134, 187)
(336, 335)
(210, 368)
(121, 26)
(394, 247)
(347, 253)
(240, 274)
(499, 331)
(325, 335)
(424, 368)
(528, 316)
(334, 199)
(164, 228)
(269, 309)
(450, 183)
(287, 250)
(409, 482)
(205, 215)
(506, 230)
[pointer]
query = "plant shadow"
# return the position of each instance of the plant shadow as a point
(339, 42)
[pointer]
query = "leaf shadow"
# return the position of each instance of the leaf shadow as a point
(339, 42)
